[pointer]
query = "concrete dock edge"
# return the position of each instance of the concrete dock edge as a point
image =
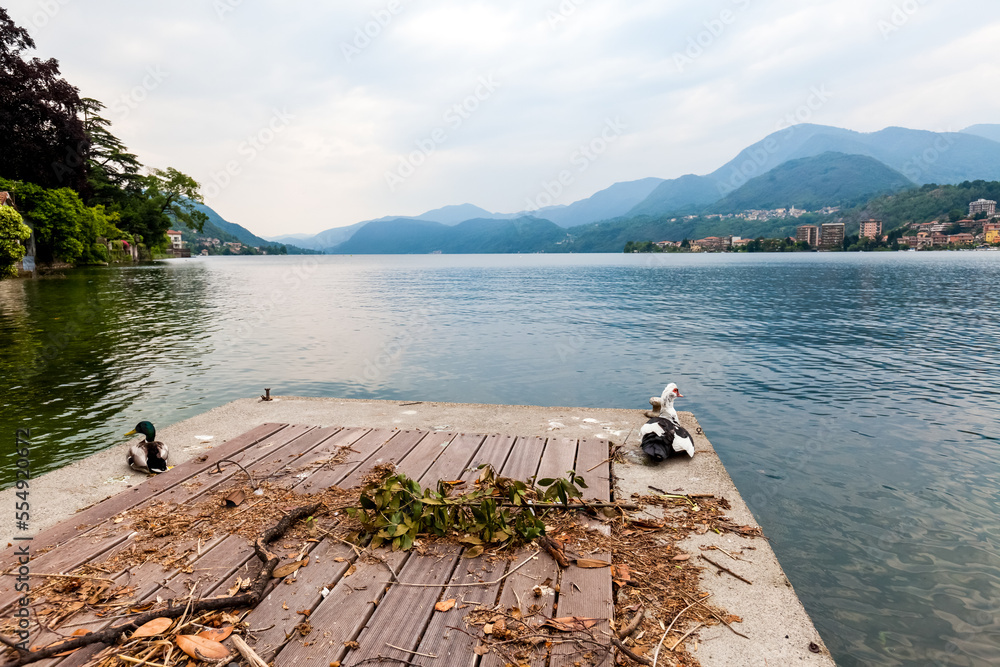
(779, 629)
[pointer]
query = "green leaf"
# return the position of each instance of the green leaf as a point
(367, 503)
(548, 481)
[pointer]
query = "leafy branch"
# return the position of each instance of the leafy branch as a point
(499, 511)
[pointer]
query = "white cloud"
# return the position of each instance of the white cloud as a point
(370, 82)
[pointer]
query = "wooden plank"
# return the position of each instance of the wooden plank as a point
(591, 453)
(98, 512)
(320, 458)
(517, 593)
(522, 463)
(89, 546)
(454, 648)
(405, 611)
(423, 456)
(493, 451)
(393, 451)
(278, 611)
(455, 458)
(585, 593)
(367, 445)
(340, 617)
(517, 589)
(588, 592)
(558, 458)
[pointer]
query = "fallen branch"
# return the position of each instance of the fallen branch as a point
(634, 656)
(720, 619)
(633, 624)
(72, 576)
(686, 635)
(725, 569)
(555, 550)
(177, 608)
(248, 653)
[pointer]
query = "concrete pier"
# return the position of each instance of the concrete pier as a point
(778, 629)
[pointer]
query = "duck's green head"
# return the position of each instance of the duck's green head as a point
(145, 428)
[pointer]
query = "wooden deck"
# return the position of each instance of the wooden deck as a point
(360, 605)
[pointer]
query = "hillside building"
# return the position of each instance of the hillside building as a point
(831, 235)
(987, 206)
(809, 234)
(991, 232)
(871, 229)
(176, 240)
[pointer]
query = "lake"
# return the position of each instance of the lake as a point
(853, 397)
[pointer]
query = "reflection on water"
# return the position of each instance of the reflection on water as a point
(852, 397)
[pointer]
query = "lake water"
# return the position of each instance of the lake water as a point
(853, 398)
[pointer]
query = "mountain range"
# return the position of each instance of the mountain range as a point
(806, 166)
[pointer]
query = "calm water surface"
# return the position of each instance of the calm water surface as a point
(852, 397)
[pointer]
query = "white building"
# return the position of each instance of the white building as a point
(176, 242)
(987, 206)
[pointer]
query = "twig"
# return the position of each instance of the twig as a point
(555, 550)
(634, 656)
(686, 635)
(72, 576)
(174, 607)
(633, 624)
(727, 553)
(721, 620)
(218, 469)
(485, 583)
(137, 661)
(423, 655)
(725, 569)
(248, 653)
(656, 655)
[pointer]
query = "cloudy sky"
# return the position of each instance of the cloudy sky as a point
(302, 118)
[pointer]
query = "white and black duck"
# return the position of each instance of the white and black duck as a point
(147, 455)
(663, 436)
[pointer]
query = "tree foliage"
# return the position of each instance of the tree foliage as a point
(77, 183)
(44, 141)
(13, 232)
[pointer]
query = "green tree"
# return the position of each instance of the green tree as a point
(43, 137)
(13, 232)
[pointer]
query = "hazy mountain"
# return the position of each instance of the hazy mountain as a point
(679, 195)
(921, 156)
(232, 231)
(991, 132)
(411, 236)
(830, 179)
(609, 203)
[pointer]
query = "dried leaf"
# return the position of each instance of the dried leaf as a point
(591, 563)
(445, 605)
(474, 552)
(481, 650)
(488, 629)
(155, 627)
(571, 623)
(351, 570)
(200, 648)
(217, 634)
(235, 499)
(682, 557)
(289, 568)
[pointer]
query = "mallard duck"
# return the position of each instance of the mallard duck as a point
(147, 455)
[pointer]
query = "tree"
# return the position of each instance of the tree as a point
(43, 139)
(13, 232)
(111, 170)
(175, 194)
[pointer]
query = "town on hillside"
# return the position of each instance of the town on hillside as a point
(981, 229)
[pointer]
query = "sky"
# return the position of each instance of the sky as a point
(297, 119)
